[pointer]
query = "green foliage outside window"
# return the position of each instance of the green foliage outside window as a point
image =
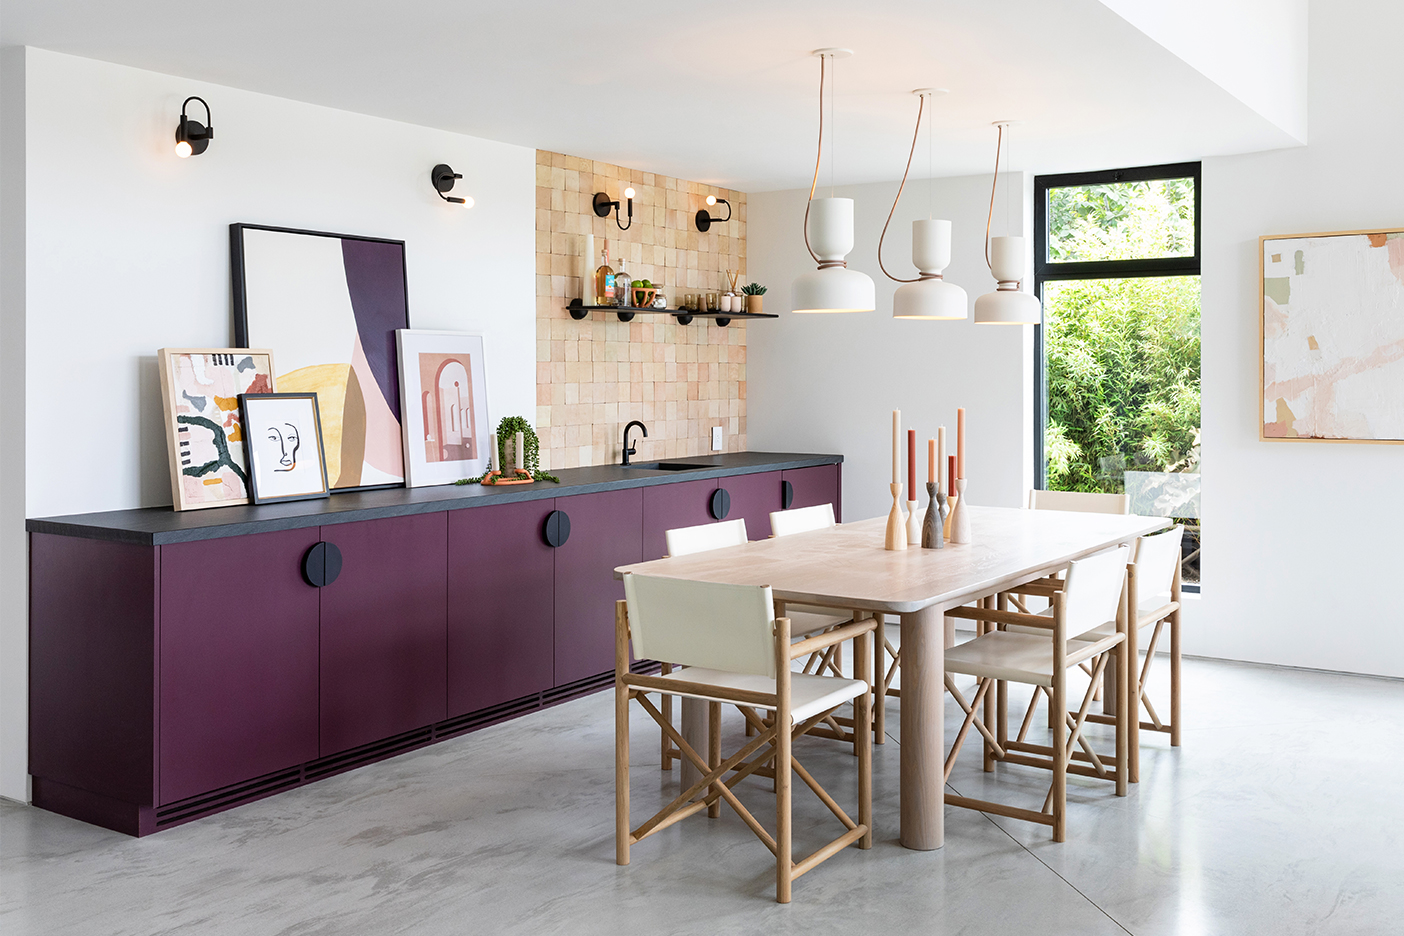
(1122, 354)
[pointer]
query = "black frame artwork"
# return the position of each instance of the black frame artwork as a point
(255, 494)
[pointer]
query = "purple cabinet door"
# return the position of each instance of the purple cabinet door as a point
(384, 630)
(669, 506)
(501, 608)
(238, 664)
(606, 531)
(753, 497)
(818, 485)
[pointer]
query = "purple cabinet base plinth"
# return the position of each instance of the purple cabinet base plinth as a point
(92, 807)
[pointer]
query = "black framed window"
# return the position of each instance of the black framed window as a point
(1116, 383)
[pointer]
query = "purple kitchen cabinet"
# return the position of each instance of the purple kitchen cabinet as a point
(753, 497)
(92, 680)
(669, 506)
(818, 485)
(501, 608)
(606, 531)
(383, 631)
(238, 661)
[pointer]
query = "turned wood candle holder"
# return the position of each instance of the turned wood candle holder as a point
(932, 534)
(896, 534)
(960, 517)
(913, 522)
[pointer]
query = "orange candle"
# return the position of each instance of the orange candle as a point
(944, 480)
(960, 442)
(930, 461)
(951, 475)
(911, 464)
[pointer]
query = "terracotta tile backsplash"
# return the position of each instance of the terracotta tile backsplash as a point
(594, 375)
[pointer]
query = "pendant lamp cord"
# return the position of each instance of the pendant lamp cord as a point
(823, 60)
(915, 135)
(993, 188)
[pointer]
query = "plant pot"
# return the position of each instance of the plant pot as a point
(753, 304)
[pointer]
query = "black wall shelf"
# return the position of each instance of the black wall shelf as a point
(578, 310)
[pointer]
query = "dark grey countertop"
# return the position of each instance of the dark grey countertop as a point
(154, 526)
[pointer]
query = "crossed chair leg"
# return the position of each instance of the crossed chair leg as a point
(1069, 752)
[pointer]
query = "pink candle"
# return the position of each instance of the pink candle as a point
(931, 461)
(960, 442)
(911, 464)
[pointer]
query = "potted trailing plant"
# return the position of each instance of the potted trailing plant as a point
(753, 293)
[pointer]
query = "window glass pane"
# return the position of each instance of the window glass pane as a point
(1121, 221)
(1123, 394)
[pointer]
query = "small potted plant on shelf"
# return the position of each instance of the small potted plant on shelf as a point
(753, 293)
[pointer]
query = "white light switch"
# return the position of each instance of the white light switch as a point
(716, 438)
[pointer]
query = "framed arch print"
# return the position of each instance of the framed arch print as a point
(443, 397)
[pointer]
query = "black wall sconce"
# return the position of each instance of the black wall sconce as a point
(193, 137)
(443, 178)
(704, 220)
(604, 204)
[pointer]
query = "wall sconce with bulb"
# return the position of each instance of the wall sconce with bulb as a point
(193, 137)
(443, 177)
(704, 219)
(604, 204)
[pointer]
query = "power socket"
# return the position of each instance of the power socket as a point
(716, 438)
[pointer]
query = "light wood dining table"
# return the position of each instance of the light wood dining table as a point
(846, 567)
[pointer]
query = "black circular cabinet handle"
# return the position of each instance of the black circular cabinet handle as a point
(321, 565)
(557, 528)
(721, 503)
(787, 495)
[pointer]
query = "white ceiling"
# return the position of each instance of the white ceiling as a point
(723, 91)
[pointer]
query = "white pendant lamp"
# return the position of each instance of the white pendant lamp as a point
(828, 234)
(1008, 304)
(928, 296)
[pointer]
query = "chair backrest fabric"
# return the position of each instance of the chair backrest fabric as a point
(708, 624)
(1156, 558)
(694, 539)
(1093, 590)
(1079, 501)
(801, 519)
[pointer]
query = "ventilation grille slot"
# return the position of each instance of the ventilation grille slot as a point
(368, 753)
(227, 797)
(488, 716)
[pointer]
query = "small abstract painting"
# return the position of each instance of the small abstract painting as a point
(283, 443)
(1332, 308)
(200, 390)
(330, 305)
(443, 396)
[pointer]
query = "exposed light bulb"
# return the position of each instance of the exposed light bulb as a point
(628, 193)
(711, 199)
(467, 201)
(183, 149)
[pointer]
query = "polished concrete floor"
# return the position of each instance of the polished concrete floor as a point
(1281, 814)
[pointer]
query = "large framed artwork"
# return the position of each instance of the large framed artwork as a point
(330, 304)
(443, 398)
(200, 390)
(1331, 320)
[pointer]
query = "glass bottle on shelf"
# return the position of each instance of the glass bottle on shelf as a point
(623, 286)
(604, 280)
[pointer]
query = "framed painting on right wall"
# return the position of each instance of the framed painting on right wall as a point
(1331, 324)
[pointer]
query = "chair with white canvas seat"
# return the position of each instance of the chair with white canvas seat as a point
(1093, 598)
(737, 653)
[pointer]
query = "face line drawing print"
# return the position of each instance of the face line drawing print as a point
(288, 459)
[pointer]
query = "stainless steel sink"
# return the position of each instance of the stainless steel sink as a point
(668, 466)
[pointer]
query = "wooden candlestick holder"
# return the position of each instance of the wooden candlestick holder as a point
(913, 523)
(896, 534)
(932, 532)
(960, 517)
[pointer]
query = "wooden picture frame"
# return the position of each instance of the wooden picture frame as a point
(330, 303)
(1274, 285)
(200, 390)
(280, 431)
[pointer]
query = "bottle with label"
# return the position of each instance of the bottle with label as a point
(604, 280)
(623, 286)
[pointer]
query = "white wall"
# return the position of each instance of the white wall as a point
(828, 383)
(128, 251)
(1303, 549)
